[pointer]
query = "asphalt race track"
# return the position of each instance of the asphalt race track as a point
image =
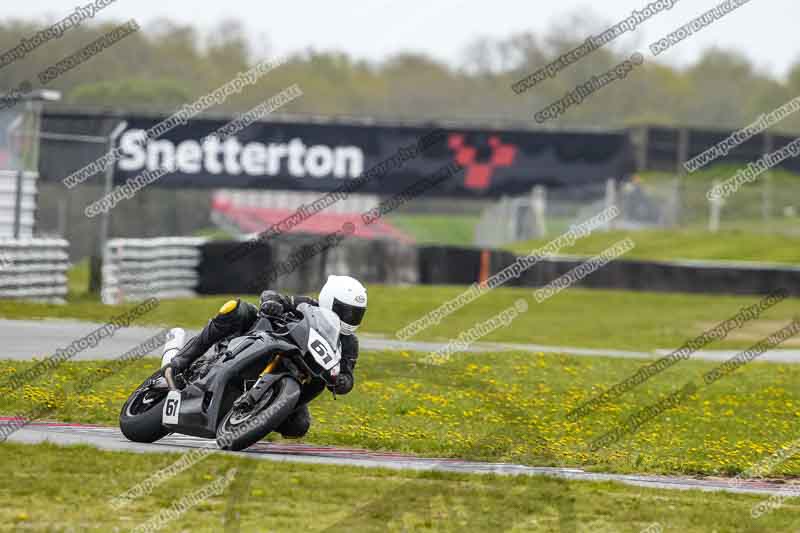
(108, 438)
(24, 339)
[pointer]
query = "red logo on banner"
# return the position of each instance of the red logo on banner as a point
(479, 173)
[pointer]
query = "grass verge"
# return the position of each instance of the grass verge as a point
(506, 407)
(671, 245)
(51, 488)
(455, 230)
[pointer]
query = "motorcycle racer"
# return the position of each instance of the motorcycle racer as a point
(343, 295)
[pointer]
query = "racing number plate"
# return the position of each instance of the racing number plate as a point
(172, 407)
(322, 351)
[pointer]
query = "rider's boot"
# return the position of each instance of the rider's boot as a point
(296, 424)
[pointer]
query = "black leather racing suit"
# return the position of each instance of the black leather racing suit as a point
(236, 318)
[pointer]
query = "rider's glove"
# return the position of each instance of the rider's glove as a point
(344, 384)
(179, 364)
(271, 308)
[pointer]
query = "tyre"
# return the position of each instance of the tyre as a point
(140, 418)
(241, 427)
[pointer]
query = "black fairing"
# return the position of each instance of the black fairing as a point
(205, 401)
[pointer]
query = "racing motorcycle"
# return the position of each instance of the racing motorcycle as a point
(245, 388)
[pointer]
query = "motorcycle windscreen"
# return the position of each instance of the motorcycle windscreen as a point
(325, 321)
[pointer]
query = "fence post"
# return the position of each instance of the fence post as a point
(539, 209)
(766, 190)
(683, 149)
(715, 208)
(97, 260)
(18, 205)
(641, 148)
(610, 200)
(766, 199)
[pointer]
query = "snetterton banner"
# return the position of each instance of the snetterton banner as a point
(323, 156)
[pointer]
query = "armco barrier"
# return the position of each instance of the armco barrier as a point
(34, 269)
(163, 267)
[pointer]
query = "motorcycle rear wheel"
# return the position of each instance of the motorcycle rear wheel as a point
(140, 417)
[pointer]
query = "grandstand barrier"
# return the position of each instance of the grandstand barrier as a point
(34, 269)
(162, 267)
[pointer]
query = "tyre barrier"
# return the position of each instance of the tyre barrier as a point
(162, 267)
(34, 269)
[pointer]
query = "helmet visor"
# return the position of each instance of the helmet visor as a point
(349, 314)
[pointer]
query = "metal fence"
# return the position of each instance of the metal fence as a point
(163, 267)
(765, 205)
(551, 211)
(34, 269)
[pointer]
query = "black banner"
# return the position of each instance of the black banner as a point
(323, 156)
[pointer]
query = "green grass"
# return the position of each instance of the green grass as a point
(456, 230)
(576, 317)
(214, 234)
(504, 407)
(668, 245)
(50, 488)
(78, 281)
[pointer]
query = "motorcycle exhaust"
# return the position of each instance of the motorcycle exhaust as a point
(175, 341)
(170, 379)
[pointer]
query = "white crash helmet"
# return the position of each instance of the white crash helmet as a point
(346, 297)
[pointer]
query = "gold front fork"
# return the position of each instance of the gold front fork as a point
(271, 365)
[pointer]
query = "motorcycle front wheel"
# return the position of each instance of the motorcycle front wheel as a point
(242, 427)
